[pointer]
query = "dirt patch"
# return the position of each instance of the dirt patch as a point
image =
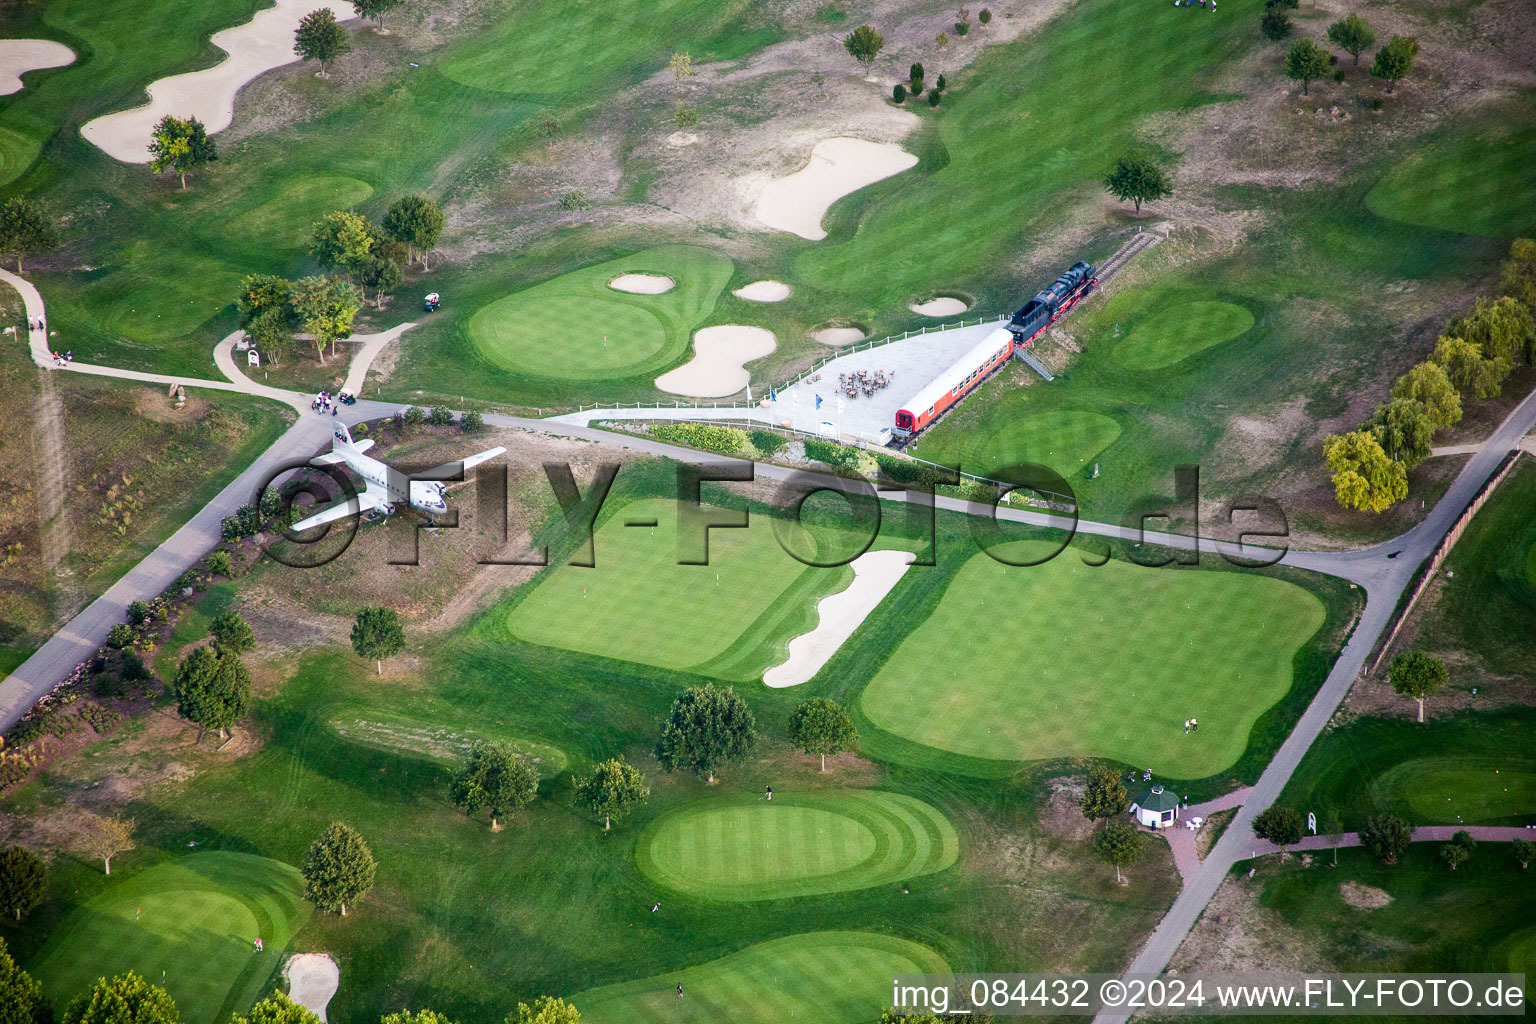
(1061, 816)
(1237, 934)
(155, 405)
(1364, 897)
(1215, 824)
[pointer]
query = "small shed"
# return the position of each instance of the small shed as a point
(1156, 808)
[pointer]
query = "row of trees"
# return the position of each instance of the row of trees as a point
(1307, 62)
(1385, 835)
(274, 309)
(1470, 361)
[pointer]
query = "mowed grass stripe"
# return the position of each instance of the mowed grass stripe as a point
(827, 977)
(743, 848)
(1066, 660)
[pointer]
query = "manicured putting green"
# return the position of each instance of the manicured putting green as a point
(1460, 790)
(1066, 441)
(1477, 183)
(798, 844)
(287, 219)
(826, 977)
(638, 604)
(1067, 660)
(17, 151)
(192, 921)
(1177, 332)
(576, 327)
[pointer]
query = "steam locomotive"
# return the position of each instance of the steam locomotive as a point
(967, 373)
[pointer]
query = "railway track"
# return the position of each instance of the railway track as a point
(1139, 243)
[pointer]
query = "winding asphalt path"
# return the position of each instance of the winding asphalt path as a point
(1384, 570)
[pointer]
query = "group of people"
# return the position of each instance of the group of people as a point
(324, 402)
(35, 323)
(1191, 725)
(65, 359)
(865, 381)
(1191, 3)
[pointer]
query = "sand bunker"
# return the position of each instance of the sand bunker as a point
(261, 44)
(677, 140)
(642, 284)
(796, 203)
(838, 335)
(874, 574)
(944, 305)
(763, 291)
(1364, 897)
(718, 366)
(18, 56)
(312, 980)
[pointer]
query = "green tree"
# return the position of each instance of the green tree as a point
(1306, 62)
(180, 146)
(545, 1010)
(1524, 851)
(915, 79)
(320, 38)
(705, 729)
(1404, 430)
(26, 229)
(899, 93)
(1104, 795)
(232, 633)
(325, 307)
(1502, 328)
(1352, 35)
(415, 1017)
(1364, 476)
(123, 999)
(341, 241)
(23, 881)
(1137, 177)
(377, 634)
(1418, 675)
(1333, 826)
(1275, 24)
(382, 275)
(612, 789)
(21, 996)
(339, 869)
(1280, 825)
(1469, 368)
(375, 9)
(1121, 844)
(864, 44)
(277, 1008)
(1517, 276)
(1395, 60)
(821, 726)
(1458, 850)
(935, 97)
(418, 223)
(262, 293)
(493, 776)
(213, 688)
(1428, 384)
(681, 66)
(104, 837)
(272, 333)
(1386, 836)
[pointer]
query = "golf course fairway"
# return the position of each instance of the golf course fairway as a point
(1084, 661)
(188, 924)
(798, 844)
(827, 977)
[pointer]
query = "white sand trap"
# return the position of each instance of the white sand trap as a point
(261, 44)
(874, 574)
(642, 284)
(944, 305)
(718, 367)
(312, 980)
(763, 291)
(796, 203)
(838, 335)
(18, 56)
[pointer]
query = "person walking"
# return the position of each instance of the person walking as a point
(655, 907)
(679, 990)
(768, 792)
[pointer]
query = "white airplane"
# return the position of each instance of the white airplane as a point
(387, 486)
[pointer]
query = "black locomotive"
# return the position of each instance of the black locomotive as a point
(1050, 305)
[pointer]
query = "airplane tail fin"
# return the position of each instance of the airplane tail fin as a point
(341, 437)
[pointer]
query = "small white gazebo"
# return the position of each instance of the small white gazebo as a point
(1156, 808)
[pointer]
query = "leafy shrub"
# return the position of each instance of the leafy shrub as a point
(138, 612)
(576, 199)
(120, 636)
(684, 115)
(1275, 25)
(985, 16)
(361, 430)
(133, 669)
(1338, 76)
(440, 416)
(934, 97)
(940, 84)
(962, 27)
(1376, 103)
(98, 717)
(415, 416)
(243, 523)
(899, 93)
(831, 453)
(471, 421)
(220, 564)
(766, 442)
(708, 436)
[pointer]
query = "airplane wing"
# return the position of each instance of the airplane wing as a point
(371, 498)
(453, 470)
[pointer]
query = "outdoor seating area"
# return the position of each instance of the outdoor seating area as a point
(865, 382)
